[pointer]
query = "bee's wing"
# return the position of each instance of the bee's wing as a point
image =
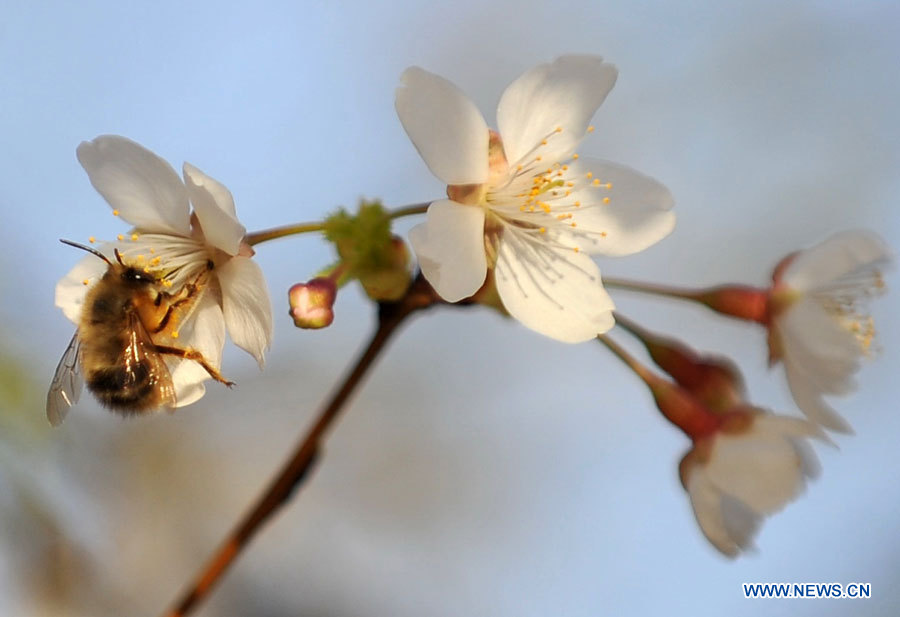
(66, 385)
(142, 350)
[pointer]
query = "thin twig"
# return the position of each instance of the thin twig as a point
(390, 315)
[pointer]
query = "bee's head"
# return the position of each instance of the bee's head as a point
(136, 277)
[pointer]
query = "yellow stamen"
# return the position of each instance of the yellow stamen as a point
(134, 237)
(174, 334)
(574, 157)
(577, 204)
(92, 239)
(596, 181)
(115, 213)
(590, 174)
(85, 282)
(591, 129)
(120, 237)
(606, 200)
(542, 230)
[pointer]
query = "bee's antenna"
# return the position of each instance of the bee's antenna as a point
(88, 249)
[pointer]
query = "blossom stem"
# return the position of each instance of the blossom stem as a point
(274, 233)
(639, 369)
(653, 288)
(409, 210)
(296, 470)
(739, 301)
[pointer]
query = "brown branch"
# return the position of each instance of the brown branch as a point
(390, 315)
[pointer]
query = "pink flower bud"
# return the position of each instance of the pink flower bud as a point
(683, 409)
(312, 303)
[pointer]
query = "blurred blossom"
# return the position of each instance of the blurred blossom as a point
(819, 326)
(312, 303)
(180, 246)
(751, 466)
(745, 463)
(522, 202)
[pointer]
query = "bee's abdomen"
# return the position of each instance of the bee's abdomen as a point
(128, 389)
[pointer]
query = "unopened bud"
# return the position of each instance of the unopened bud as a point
(714, 380)
(312, 303)
(683, 409)
(391, 280)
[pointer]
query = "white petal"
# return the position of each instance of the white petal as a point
(444, 125)
(141, 186)
(564, 94)
(450, 248)
(835, 257)
(248, 310)
(71, 290)
(637, 216)
(760, 469)
(810, 401)
(214, 206)
(706, 501)
(554, 291)
(204, 331)
(812, 339)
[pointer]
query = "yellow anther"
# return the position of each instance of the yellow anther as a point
(140, 258)
(85, 282)
(609, 185)
(602, 234)
(570, 183)
(543, 142)
(573, 223)
(606, 200)
(542, 230)
(591, 129)
(522, 208)
(531, 208)
(174, 334)
(544, 206)
(558, 129)
(574, 157)
(576, 249)
(134, 237)
(559, 173)
(565, 167)
(596, 181)
(154, 261)
(120, 237)
(577, 204)
(152, 250)
(115, 213)
(589, 174)
(538, 158)
(147, 270)
(568, 192)
(92, 239)
(518, 168)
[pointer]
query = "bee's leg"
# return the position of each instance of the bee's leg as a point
(196, 356)
(176, 300)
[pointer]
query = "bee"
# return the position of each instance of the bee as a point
(113, 349)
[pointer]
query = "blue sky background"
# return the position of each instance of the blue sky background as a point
(483, 469)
